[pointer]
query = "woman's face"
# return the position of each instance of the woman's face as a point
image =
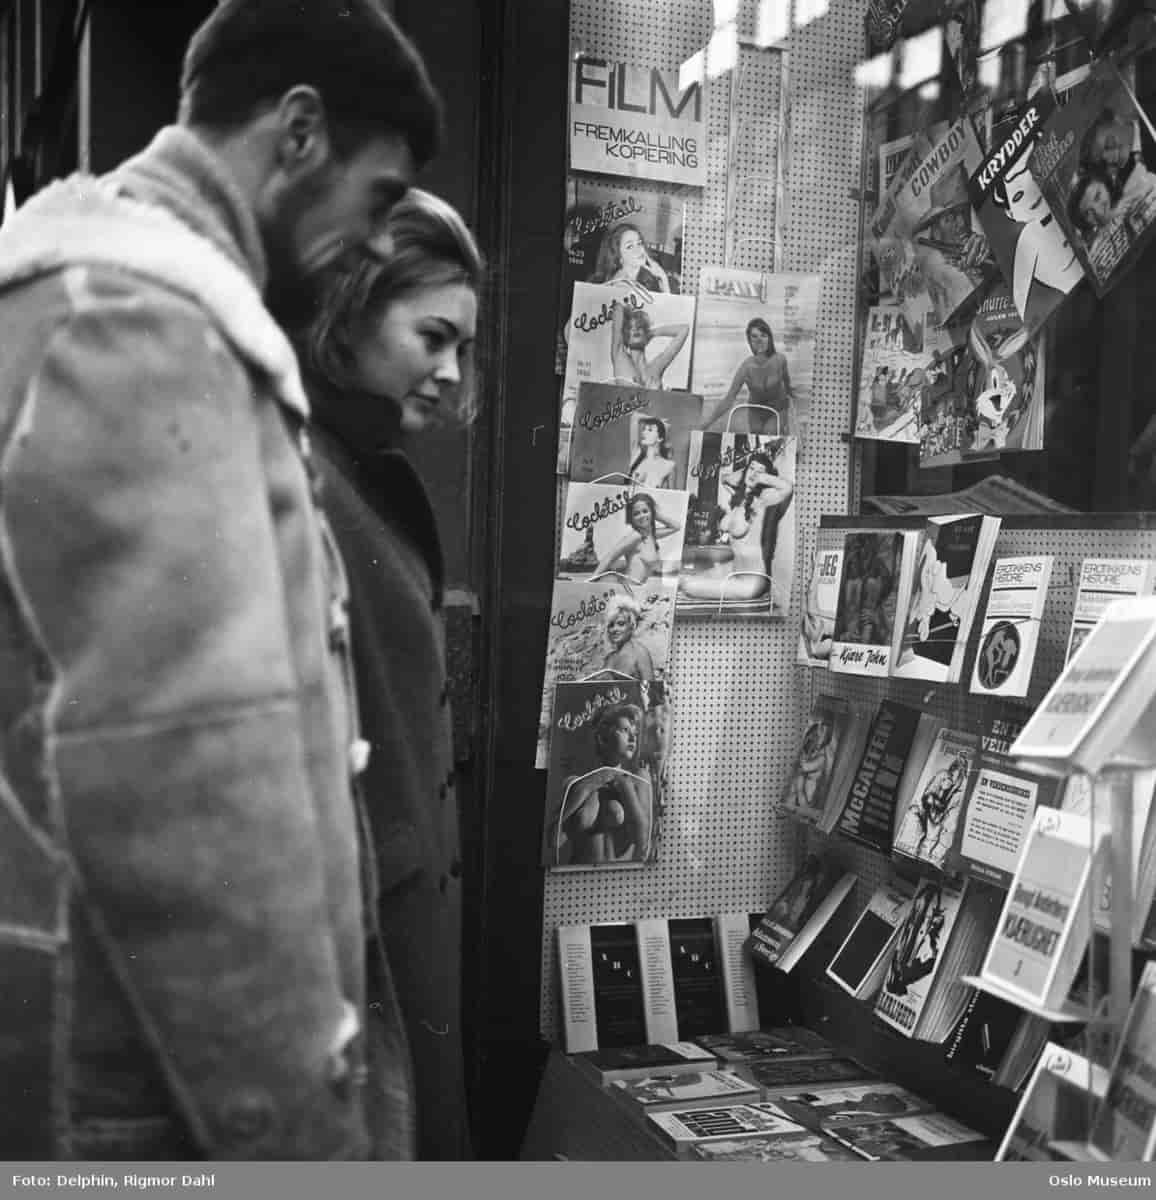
(1025, 201)
(1096, 205)
(756, 473)
(648, 434)
(619, 629)
(759, 343)
(640, 516)
(1112, 144)
(622, 739)
(414, 355)
(635, 333)
(631, 251)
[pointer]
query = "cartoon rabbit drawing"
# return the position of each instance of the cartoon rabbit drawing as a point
(993, 404)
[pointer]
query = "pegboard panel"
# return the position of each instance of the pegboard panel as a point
(1070, 545)
(739, 699)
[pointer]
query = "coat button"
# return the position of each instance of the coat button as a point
(247, 1115)
(359, 753)
(444, 696)
(456, 868)
(338, 624)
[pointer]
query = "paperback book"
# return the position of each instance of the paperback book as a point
(601, 986)
(868, 816)
(754, 350)
(832, 1109)
(800, 912)
(780, 1043)
(623, 433)
(603, 629)
(873, 563)
(925, 829)
(1125, 1126)
(984, 1035)
(820, 601)
(622, 532)
(1054, 1107)
(998, 810)
(829, 750)
(686, 1127)
(806, 1146)
(685, 1089)
(860, 963)
(778, 1075)
(740, 986)
(739, 555)
(1044, 926)
(951, 565)
(639, 1061)
(1010, 633)
(698, 983)
(605, 778)
(1102, 582)
(931, 1135)
(1090, 165)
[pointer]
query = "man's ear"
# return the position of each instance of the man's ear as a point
(303, 139)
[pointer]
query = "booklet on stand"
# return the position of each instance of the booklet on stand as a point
(819, 604)
(925, 829)
(866, 636)
(1103, 581)
(800, 912)
(860, 963)
(1010, 633)
(829, 750)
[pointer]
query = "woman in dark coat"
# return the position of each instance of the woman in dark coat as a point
(390, 354)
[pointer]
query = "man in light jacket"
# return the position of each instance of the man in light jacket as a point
(182, 927)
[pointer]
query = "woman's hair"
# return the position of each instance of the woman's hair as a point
(647, 499)
(1088, 176)
(623, 604)
(741, 495)
(425, 243)
(757, 323)
(609, 260)
(608, 717)
(663, 448)
(631, 317)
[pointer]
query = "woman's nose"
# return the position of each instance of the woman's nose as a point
(447, 370)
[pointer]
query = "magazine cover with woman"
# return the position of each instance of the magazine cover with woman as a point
(754, 345)
(607, 766)
(625, 433)
(739, 548)
(1090, 165)
(608, 627)
(626, 533)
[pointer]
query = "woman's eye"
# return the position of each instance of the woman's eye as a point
(433, 341)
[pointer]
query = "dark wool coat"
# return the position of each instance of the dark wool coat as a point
(385, 529)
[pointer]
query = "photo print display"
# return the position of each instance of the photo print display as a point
(619, 230)
(607, 628)
(621, 532)
(606, 772)
(625, 433)
(739, 549)
(754, 344)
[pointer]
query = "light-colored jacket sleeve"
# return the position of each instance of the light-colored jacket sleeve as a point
(155, 522)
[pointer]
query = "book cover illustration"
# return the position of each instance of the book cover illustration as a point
(790, 1073)
(835, 1108)
(807, 1146)
(1090, 165)
(1125, 1126)
(643, 1058)
(619, 1013)
(813, 773)
(793, 907)
(904, 1138)
(606, 628)
(619, 333)
(619, 230)
(951, 564)
(734, 1120)
(858, 965)
(1010, 632)
(865, 614)
(932, 244)
(868, 815)
(1032, 248)
(1054, 1107)
(782, 1042)
(605, 778)
(632, 434)
(698, 983)
(685, 1088)
(739, 549)
(997, 816)
(988, 394)
(914, 963)
(926, 830)
(899, 363)
(820, 601)
(629, 533)
(754, 345)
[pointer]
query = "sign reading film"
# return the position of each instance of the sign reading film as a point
(636, 121)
